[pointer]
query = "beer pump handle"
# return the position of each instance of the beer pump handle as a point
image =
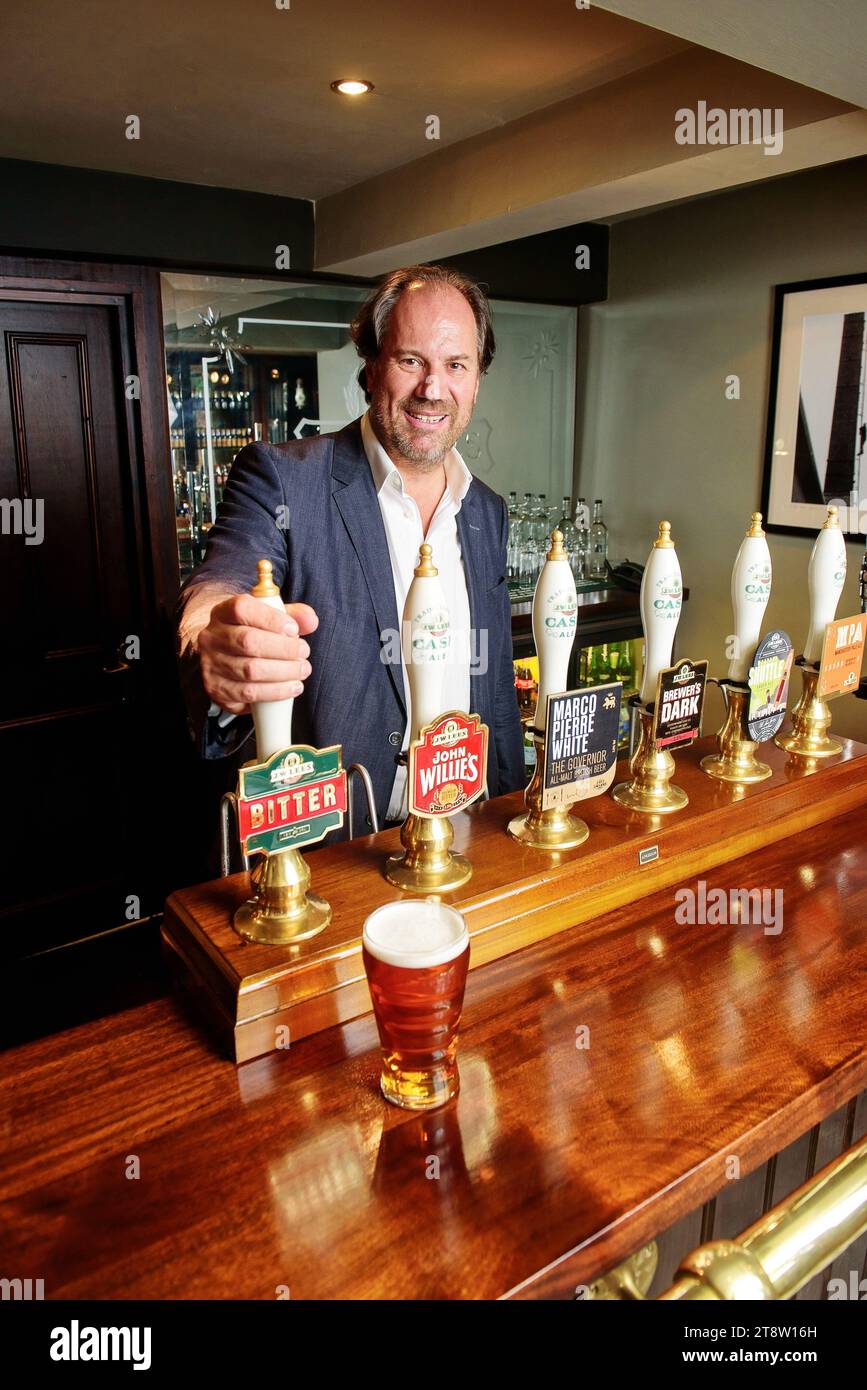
(751, 590)
(660, 601)
(426, 642)
(826, 576)
(555, 621)
(272, 719)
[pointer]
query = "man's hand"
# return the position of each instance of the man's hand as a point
(250, 651)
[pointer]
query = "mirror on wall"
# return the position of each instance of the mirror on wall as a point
(258, 359)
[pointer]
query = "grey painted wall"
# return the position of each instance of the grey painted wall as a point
(691, 301)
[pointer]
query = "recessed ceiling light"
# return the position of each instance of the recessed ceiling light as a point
(351, 87)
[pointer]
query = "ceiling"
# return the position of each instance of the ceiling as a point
(236, 94)
(549, 115)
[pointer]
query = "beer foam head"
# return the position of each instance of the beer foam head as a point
(415, 933)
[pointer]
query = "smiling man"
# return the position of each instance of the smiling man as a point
(341, 518)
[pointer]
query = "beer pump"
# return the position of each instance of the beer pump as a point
(650, 789)
(281, 910)
(735, 759)
(555, 622)
(272, 719)
(427, 863)
(811, 717)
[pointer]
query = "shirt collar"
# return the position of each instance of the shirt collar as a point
(458, 476)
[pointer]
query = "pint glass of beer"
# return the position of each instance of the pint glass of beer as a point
(416, 954)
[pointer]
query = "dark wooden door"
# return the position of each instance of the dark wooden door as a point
(74, 743)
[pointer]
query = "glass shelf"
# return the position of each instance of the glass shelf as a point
(523, 593)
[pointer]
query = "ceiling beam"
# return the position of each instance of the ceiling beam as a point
(607, 151)
(820, 43)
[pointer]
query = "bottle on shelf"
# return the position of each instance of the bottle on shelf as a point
(513, 553)
(529, 532)
(524, 690)
(527, 691)
(598, 543)
(600, 670)
(541, 534)
(582, 548)
(570, 535)
(626, 667)
(182, 496)
(623, 671)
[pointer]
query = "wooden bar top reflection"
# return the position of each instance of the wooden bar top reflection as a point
(555, 1162)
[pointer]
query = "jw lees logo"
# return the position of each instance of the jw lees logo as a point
(687, 674)
(561, 619)
(292, 767)
(450, 734)
(669, 597)
(430, 640)
(758, 585)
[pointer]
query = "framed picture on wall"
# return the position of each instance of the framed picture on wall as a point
(816, 446)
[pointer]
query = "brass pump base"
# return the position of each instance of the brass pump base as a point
(427, 864)
(811, 719)
(736, 759)
(553, 829)
(282, 911)
(650, 790)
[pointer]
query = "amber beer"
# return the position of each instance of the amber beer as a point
(416, 954)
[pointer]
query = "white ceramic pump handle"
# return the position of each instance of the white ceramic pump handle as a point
(272, 719)
(660, 602)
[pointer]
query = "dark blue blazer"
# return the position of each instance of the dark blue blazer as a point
(311, 508)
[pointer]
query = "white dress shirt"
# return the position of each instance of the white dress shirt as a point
(404, 534)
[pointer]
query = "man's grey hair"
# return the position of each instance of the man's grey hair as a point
(370, 324)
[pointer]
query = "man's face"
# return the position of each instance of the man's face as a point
(424, 384)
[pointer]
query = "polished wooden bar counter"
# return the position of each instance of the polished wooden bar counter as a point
(557, 1160)
(252, 995)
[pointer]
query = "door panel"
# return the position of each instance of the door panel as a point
(50, 381)
(73, 727)
(62, 448)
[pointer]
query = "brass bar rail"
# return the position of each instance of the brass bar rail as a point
(784, 1249)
